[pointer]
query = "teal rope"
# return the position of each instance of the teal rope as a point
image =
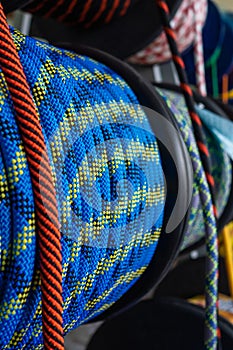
(209, 222)
(212, 63)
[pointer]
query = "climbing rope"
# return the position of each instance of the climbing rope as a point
(208, 202)
(97, 136)
(187, 24)
(46, 214)
(108, 179)
(83, 13)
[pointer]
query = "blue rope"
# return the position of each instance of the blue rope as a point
(109, 184)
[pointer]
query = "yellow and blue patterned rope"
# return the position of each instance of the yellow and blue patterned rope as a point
(201, 185)
(109, 183)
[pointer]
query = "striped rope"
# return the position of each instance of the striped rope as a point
(187, 23)
(210, 213)
(221, 168)
(44, 193)
(87, 13)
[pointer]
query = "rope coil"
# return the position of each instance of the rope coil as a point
(98, 119)
(221, 168)
(98, 139)
(84, 13)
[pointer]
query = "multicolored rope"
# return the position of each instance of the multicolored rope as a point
(108, 179)
(208, 203)
(100, 146)
(187, 25)
(43, 189)
(188, 22)
(221, 167)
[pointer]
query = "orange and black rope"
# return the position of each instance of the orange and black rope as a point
(188, 95)
(75, 12)
(43, 189)
(211, 239)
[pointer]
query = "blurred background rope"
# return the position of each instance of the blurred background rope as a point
(187, 24)
(208, 203)
(85, 13)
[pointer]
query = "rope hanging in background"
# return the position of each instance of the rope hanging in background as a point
(221, 168)
(109, 186)
(83, 13)
(14, 84)
(187, 25)
(218, 54)
(206, 72)
(96, 133)
(210, 211)
(198, 48)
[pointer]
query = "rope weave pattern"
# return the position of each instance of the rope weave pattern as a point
(43, 189)
(109, 186)
(208, 201)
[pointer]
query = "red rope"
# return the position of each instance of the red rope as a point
(36, 6)
(51, 11)
(115, 5)
(87, 12)
(125, 8)
(42, 183)
(102, 8)
(69, 10)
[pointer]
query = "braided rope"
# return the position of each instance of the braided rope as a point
(187, 25)
(210, 213)
(74, 12)
(109, 186)
(221, 168)
(184, 24)
(44, 194)
(198, 49)
(207, 200)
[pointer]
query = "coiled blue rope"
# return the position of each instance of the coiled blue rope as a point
(109, 183)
